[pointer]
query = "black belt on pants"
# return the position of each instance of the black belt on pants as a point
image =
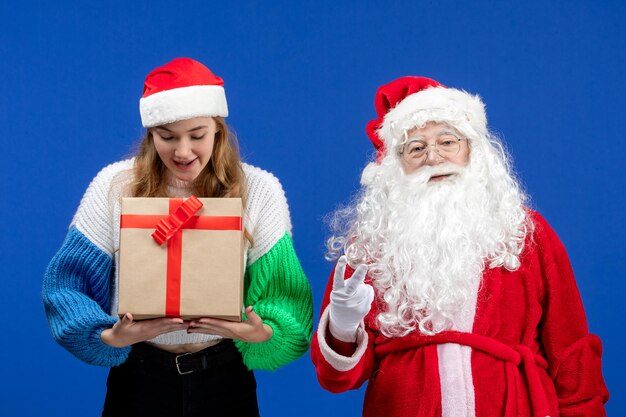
(186, 363)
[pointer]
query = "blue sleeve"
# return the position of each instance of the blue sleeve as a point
(76, 298)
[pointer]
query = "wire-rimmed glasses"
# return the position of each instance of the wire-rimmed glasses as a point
(415, 151)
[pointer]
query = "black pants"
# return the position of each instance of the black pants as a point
(149, 384)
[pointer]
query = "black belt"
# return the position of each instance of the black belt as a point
(186, 363)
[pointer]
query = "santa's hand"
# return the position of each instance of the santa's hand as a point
(350, 300)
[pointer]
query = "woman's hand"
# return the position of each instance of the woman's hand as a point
(127, 331)
(252, 330)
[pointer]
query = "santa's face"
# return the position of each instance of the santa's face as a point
(432, 145)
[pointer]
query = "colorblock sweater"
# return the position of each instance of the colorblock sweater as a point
(519, 348)
(80, 283)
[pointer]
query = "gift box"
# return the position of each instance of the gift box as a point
(181, 258)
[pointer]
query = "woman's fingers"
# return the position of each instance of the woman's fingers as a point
(127, 331)
(253, 317)
(215, 324)
(148, 329)
(252, 330)
(217, 329)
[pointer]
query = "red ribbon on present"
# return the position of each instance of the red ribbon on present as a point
(169, 228)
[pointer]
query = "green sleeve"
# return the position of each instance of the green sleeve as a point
(280, 293)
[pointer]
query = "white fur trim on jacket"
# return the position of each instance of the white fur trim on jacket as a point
(337, 361)
(183, 103)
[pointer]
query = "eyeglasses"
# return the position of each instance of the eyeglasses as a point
(446, 146)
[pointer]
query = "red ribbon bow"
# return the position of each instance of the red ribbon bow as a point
(168, 226)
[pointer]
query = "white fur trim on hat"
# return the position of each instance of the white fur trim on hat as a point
(461, 109)
(183, 103)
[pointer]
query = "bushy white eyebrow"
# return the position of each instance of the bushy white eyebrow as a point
(437, 134)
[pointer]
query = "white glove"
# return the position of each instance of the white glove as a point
(350, 301)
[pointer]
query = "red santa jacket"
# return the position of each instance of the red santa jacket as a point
(529, 352)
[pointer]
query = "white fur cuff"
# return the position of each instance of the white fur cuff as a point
(337, 361)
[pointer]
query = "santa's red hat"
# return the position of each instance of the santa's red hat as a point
(179, 90)
(410, 102)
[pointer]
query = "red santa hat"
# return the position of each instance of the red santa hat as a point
(410, 102)
(179, 90)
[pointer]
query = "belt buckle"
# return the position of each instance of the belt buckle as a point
(178, 364)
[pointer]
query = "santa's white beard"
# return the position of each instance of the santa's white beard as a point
(427, 243)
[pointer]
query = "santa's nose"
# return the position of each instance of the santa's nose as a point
(432, 156)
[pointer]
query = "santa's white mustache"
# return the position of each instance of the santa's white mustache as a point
(425, 173)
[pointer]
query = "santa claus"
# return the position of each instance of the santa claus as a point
(451, 298)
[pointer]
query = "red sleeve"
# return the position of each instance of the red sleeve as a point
(329, 377)
(574, 355)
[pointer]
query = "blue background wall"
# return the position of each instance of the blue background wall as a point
(300, 81)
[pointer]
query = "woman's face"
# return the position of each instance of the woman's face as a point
(185, 147)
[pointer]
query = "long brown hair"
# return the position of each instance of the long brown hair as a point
(222, 177)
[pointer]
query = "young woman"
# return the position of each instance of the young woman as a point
(168, 366)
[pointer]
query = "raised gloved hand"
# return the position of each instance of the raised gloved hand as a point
(350, 301)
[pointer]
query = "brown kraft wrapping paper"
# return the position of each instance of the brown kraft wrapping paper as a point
(209, 264)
